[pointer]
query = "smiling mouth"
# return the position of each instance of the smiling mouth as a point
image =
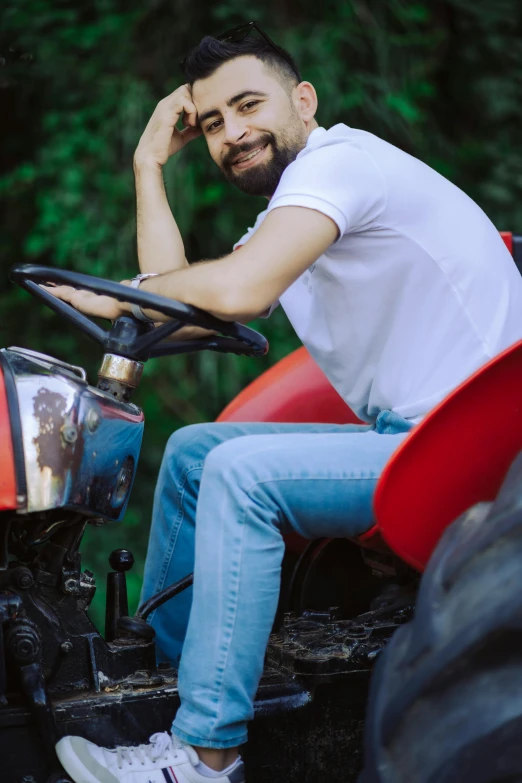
(249, 156)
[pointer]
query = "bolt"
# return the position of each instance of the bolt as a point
(28, 779)
(23, 578)
(70, 434)
(66, 647)
(70, 585)
(23, 641)
(25, 581)
(93, 420)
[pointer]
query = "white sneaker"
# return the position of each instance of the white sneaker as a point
(164, 760)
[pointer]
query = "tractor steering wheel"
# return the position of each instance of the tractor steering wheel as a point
(131, 338)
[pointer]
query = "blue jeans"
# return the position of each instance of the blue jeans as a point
(226, 495)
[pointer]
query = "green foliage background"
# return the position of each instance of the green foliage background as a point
(78, 81)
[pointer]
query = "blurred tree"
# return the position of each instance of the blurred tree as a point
(78, 81)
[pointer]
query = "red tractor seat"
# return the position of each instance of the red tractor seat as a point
(293, 390)
(456, 457)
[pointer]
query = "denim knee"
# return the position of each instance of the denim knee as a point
(181, 441)
(190, 444)
(238, 467)
(229, 462)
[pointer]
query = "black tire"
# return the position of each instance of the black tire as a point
(446, 697)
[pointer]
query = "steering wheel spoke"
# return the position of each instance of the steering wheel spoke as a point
(155, 336)
(217, 344)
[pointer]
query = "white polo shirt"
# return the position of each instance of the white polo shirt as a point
(418, 291)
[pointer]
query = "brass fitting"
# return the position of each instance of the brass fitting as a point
(117, 368)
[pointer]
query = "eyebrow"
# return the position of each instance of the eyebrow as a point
(231, 102)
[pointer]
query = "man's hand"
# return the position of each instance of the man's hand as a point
(87, 302)
(100, 306)
(161, 139)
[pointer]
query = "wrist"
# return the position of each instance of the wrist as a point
(136, 309)
(144, 162)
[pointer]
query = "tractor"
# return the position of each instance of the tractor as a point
(444, 703)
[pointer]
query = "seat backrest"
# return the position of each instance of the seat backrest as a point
(456, 457)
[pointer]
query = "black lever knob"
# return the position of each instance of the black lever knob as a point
(121, 560)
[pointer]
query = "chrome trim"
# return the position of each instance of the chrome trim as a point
(79, 371)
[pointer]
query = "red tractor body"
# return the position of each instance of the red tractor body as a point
(7, 463)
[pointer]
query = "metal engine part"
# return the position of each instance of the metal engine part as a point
(79, 445)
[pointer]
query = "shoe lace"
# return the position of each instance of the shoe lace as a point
(159, 746)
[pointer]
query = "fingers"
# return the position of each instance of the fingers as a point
(180, 103)
(64, 292)
(87, 302)
(161, 138)
(188, 134)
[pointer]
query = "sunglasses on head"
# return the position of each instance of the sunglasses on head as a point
(238, 34)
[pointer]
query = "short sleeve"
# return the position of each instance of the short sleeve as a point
(243, 239)
(338, 179)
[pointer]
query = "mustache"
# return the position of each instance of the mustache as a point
(238, 149)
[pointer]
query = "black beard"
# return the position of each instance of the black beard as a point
(262, 179)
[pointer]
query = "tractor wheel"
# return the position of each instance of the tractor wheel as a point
(446, 697)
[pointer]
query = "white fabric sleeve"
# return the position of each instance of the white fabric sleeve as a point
(338, 179)
(243, 239)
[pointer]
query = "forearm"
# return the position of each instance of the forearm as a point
(160, 245)
(210, 285)
(243, 285)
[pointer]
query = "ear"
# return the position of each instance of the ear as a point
(305, 100)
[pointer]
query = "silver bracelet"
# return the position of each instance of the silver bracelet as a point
(135, 308)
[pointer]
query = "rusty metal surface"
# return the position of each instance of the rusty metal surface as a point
(49, 411)
(319, 646)
(80, 445)
(118, 368)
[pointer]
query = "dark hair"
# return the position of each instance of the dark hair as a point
(211, 53)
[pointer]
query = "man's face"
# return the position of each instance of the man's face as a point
(252, 126)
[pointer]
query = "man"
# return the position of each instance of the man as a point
(399, 286)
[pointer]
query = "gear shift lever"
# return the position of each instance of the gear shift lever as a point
(121, 560)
